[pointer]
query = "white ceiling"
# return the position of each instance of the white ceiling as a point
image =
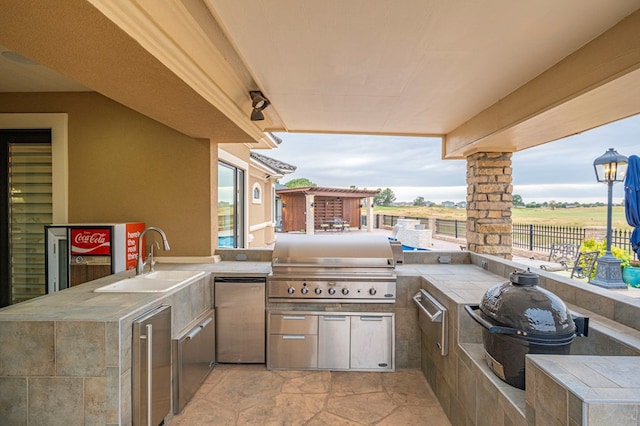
(402, 67)
(484, 75)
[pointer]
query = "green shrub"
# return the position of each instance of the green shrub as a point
(593, 245)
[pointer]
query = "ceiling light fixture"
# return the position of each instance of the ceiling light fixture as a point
(259, 102)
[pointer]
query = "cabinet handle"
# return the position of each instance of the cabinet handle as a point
(293, 337)
(423, 298)
(334, 318)
(293, 317)
(149, 372)
(198, 329)
(370, 318)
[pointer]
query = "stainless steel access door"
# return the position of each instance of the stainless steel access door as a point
(240, 320)
(151, 366)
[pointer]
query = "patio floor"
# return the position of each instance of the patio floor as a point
(252, 395)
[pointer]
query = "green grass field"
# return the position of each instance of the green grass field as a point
(578, 216)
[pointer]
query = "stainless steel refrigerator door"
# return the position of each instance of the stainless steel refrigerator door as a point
(240, 321)
(151, 367)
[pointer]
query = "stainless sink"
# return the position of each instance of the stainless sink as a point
(152, 282)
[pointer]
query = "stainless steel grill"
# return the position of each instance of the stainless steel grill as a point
(332, 269)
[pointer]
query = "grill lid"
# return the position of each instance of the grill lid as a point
(341, 251)
(521, 304)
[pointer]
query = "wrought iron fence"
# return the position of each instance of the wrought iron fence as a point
(451, 227)
(541, 237)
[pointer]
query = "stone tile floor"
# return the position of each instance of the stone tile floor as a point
(252, 395)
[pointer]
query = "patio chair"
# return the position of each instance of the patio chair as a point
(584, 264)
(562, 257)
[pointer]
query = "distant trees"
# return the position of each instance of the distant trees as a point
(419, 201)
(384, 198)
(299, 183)
(517, 201)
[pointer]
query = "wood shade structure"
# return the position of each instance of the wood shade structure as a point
(325, 205)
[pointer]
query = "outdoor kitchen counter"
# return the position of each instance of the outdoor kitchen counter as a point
(597, 389)
(66, 357)
(81, 303)
(462, 283)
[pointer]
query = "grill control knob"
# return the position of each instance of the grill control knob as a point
(332, 291)
(345, 291)
(372, 291)
(304, 290)
(318, 290)
(291, 290)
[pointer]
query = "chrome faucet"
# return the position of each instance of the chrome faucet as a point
(140, 265)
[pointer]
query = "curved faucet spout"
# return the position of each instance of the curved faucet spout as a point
(141, 264)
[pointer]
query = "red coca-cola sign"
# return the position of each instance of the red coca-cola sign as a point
(95, 241)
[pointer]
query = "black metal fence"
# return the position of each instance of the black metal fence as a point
(541, 237)
(451, 227)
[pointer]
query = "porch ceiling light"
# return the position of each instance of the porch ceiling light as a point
(259, 102)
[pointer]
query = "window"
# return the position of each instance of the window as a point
(230, 205)
(257, 193)
(27, 156)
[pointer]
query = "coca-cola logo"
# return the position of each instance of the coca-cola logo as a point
(90, 241)
(95, 238)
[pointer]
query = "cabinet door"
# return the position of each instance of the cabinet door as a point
(333, 341)
(372, 342)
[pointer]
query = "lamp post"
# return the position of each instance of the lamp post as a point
(610, 168)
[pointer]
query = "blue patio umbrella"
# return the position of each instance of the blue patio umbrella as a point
(632, 199)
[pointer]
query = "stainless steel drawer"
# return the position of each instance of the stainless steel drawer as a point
(293, 324)
(293, 351)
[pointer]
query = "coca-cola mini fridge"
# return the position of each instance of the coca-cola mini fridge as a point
(77, 253)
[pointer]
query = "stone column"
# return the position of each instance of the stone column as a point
(489, 202)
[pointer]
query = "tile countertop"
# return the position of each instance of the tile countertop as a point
(463, 284)
(81, 303)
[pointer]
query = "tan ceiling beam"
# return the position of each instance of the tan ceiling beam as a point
(597, 84)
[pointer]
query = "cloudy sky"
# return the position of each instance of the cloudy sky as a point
(412, 167)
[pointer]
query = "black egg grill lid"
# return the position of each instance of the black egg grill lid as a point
(522, 305)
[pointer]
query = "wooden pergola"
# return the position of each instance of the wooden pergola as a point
(312, 208)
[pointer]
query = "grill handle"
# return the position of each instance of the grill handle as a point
(491, 328)
(581, 328)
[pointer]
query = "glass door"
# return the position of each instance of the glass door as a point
(230, 206)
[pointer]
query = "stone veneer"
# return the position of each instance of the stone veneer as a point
(65, 368)
(489, 201)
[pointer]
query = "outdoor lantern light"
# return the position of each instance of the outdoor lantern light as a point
(610, 167)
(259, 103)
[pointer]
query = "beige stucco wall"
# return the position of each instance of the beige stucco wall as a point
(257, 214)
(124, 166)
(260, 214)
